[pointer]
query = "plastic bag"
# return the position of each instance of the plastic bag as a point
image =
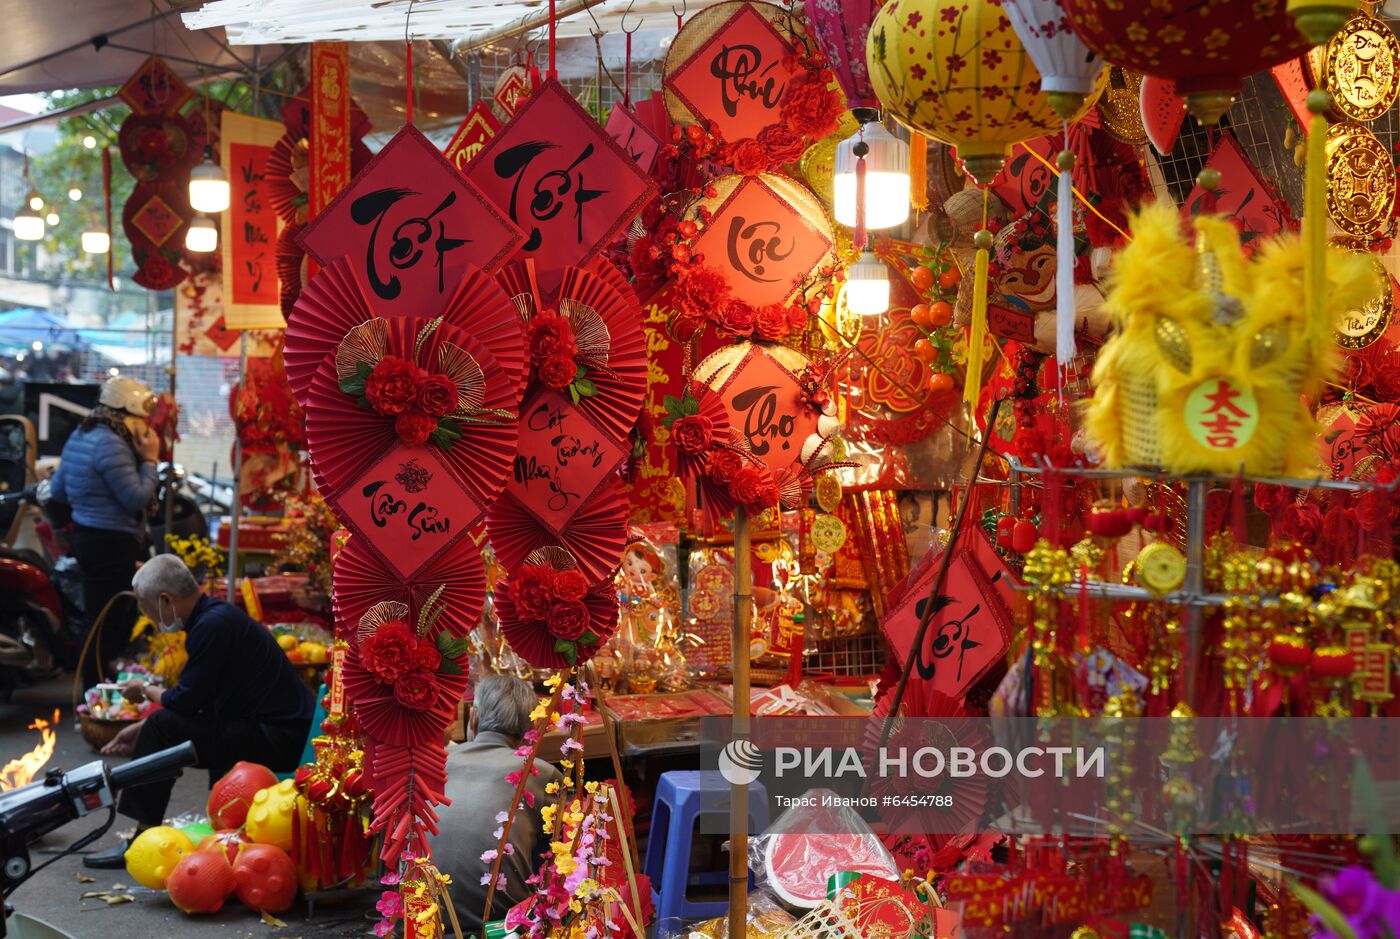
(766, 920)
(811, 842)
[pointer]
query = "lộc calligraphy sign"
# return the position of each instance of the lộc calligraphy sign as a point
(558, 176)
(767, 235)
(730, 65)
(248, 230)
(971, 624)
(561, 460)
(634, 137)
(479, 126)
(411, 223)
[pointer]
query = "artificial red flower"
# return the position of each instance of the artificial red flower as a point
(388, 651)
(437, 395)
(747, 485)
(748, 157)
(426, 656)
(724, 466)
(568, 619)
(694, 433)
(558, 371)
(699, 290)
(570, 585)
(735, 317)
(533, 591)
(809, 107)
(1269, 498)
(414, 427)
(549, 334)
(417, 689)
(784, 145)
(392, 386)
(1376, 420)
(1301, 523)
(1384, 371)
(772, 322)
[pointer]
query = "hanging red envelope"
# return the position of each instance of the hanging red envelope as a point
(561, 459)
(1244, 196)
(632, 135)
(479, 126)
(767, 235)
(337, 300)
(595, 536)
(354, 417)
(1163, 112)
(154, 88)
(362, 580)
(730, 66)
(561, 178)
(411, 223)
(970, 629)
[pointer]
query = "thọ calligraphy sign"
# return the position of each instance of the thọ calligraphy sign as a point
(411, 223)
(730, 65)
(409, 507)
(767, 235)
(561, 459)
(559, 176)
(248, 230)
(765, 403)
(971, 625)
(479, 126)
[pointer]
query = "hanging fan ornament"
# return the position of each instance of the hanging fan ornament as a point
(363, 581)
(594, 536)
(550, 612)
(337, 301)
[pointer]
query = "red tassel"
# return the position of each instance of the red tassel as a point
(408, 64)
(553, 27)
(859, 236)
(1237, 518)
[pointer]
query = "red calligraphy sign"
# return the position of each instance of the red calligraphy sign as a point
(248, 236)
(479, 126)
(765, 405)
(154, 88)
(330, 123)
(1243, 195)
(633, 136)
(560, 460)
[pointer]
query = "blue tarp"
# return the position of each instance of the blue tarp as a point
(20, 329)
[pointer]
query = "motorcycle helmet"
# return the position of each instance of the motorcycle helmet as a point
(127, 394)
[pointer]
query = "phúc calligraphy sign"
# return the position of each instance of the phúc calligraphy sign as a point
(408, 507)
(560, 460)
(558, 176)
(154, 88)
(970, 629)
(479, 126)
(411, 223)
(768, 235)
(1244, 197)
(729, 65)
(330, 131)
(634, 137)
(248, 233)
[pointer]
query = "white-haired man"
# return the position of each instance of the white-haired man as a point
(238, 697)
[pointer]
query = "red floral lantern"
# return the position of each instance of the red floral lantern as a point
(1206, 49)
(841, 27)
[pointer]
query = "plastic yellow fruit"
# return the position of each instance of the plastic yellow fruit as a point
(270, 818)
(155, 852)
(287, 641)
(313, 652)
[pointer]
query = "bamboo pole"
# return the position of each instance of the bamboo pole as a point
(739, 793)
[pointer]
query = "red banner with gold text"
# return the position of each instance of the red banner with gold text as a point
(249, 228)
(330, 122)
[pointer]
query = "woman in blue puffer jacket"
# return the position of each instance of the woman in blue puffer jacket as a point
(108, 476)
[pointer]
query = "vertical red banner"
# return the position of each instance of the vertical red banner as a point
(656, 494)
(249, 226)
(330, 123)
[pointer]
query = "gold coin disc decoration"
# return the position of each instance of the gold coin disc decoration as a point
(1120, 108)
(828, 534)
(1161, 568)
(828, 492)
(1360, 179)
(1360, 326)
(1362, 60)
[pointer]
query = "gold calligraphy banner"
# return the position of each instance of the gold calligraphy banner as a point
(248, 228)
(330, 123)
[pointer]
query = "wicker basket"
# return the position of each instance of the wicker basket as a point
(98, 732)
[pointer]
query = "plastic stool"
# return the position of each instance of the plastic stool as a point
(673, 817)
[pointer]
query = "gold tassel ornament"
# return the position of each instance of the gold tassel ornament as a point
(1315, 210)
(918, 172)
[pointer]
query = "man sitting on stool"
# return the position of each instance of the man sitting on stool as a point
(238, 697)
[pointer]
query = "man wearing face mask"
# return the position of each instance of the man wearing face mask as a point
(238, 697)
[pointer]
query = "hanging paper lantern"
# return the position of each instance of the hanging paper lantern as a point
(841, 26)
(955, 71)
(1069, 70)
(1207, 50)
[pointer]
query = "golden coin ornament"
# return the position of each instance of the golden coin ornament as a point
(1161, 568)
(1360, 179)
(1362, 59)
(1120, 108)
(828, 534)
(1360, 326)
(828, 492)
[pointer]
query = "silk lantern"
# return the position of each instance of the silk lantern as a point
(1069, 71)
(956, 71)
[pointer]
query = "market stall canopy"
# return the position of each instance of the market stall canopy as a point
(99, 43)
(20, 329)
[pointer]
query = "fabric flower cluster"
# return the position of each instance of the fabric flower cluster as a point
(553, 351)
(555, 598)
(702, 294)
(399, 657)
(418, 400)
(744, 479)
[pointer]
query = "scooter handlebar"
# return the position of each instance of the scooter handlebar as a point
(154, 768)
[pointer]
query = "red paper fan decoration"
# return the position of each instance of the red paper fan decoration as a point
(533, 639)
(290, 261)
(614, 278)
(287, 178)
(336, 301)
(930, 718)
(362, 580)
(345, 440)
(595, 536)
(383, 717)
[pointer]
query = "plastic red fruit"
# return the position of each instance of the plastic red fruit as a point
(924, 350)
(1006, 525)
(1023, 537)
(950, 278)
(919, 314)
(939, 382)
(922, 278)
(940, 313)
(229, 840)
(233, 794)
(266, 878)
(201, 882)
